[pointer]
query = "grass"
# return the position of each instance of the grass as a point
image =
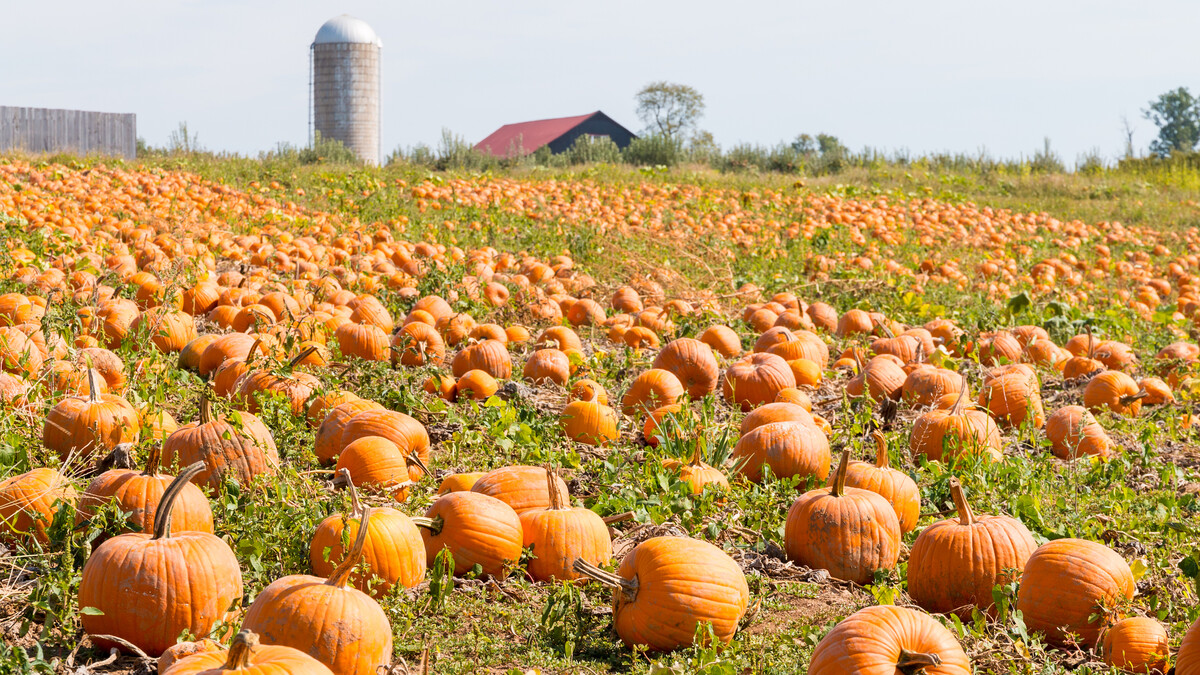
(1143, 502)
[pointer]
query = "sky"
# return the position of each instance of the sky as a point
(921, 76)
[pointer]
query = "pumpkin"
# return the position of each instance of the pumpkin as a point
(169, 330)
(477, 529)
(854, 322)
(823, 316)
(1013, 396)
(29, 501)
(320, 405)
(588, 390)
(1065, 583)
(150, 587)
(547, 366)
(246, 655)
(589, 422)
(1115, 391)
(955, 563)
(418, 344)
(1187, 660)
(328, 444)
(926, 384)
(408, 434)
(559, 535)
(1137, 644)
(476, 385)
(954, 433)
(885, 640)
(895, 486)
(756, 379)
(696, 473)
(364, 341)
(459, 482)
(108, 364)
(667, 586)
(334, 623)
(790, 449)
(650, 390)
(182, 650)
(139, 494)
(18, 354)
(523, 488)
(847, 531)
(231, 346)
(693, 363)
(1074, 432)
(779, 411)
(998, 347)
(241, 451)
(394, 552)
(722, 340)
(881, 377)
(558, 337)
(1157, 391)
(189, 356)
(293, 386)
(490, 356)
(91, 424)
(378, 462)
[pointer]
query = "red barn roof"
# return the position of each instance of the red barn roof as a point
(525, 137)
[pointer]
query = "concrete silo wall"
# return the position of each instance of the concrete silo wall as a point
(48, 130)
(346, 96)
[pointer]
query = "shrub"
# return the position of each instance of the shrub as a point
(654, 150)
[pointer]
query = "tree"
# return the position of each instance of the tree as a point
(1177, 116)
(669, 109)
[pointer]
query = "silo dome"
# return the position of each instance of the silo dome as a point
(346, 28)
(345, 85)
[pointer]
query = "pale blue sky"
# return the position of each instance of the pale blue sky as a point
(921, 75)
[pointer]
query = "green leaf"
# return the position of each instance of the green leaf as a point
(91, 611)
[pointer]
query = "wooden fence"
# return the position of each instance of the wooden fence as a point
(46, 130)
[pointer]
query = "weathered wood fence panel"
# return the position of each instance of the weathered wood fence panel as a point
(48, 130)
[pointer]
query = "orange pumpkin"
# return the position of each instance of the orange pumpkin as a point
(559, 535)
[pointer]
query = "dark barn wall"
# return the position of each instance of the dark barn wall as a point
(598, 124)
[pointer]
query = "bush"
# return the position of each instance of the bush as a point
(593, 150)
(654, 150)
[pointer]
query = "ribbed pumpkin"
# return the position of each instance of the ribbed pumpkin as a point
(1114, 390)
(328, 444)
(293, 386)
(1187, 661)
(1064, 584)
(955, 433)
(589, 422)
(490, 356)
(881, 377)
(927, 383)
(378, 462)
(1074, 432)
(407, 433)
(320, 405)
(523, 488)
(363, 340)
(698, 475)
(1137, 644)
(334, 623)
(693, 362)
(559, 535)
(29, 501)
(169, 330)
(139, 494)
(18, 354)
(247, 657)
(150, 588)
(756, 379)
(240, 451)
(547, 366)
(650, 390)
(418, 344)
(87, 425)
(789, 448)
(955, 563)
(394, 552)
(847, 531)
(477, 529)
(182, 650)
(780, 411)
(231, 346)
(1013, 396)
(459, 482)
(886, 640)
(895, 486)
(854, 322)
(1157, 391)
(475, 385)
(667, 586)
(723, 340)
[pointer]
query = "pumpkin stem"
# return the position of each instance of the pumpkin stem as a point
(414, 458)
(956, 409)
(911, 663)
(206, 415)
(253, 351)
(308, 351)
(839, 478)
(627, 587)
(93, 386)
(556, 503)
(1091, 343)
(342, 573)
(162, 517)
(356, 507)
(696, 461)
(153, 460)
(240, 651)
(434, 525)
(1127, 400)
(965, 515)
(881, 450)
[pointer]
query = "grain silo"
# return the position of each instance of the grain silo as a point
(345, 85)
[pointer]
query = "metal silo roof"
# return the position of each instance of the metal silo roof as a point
(346, 28)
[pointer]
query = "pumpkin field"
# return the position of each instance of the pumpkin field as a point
(313, 419)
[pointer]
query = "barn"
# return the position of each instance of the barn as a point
(523, 138)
